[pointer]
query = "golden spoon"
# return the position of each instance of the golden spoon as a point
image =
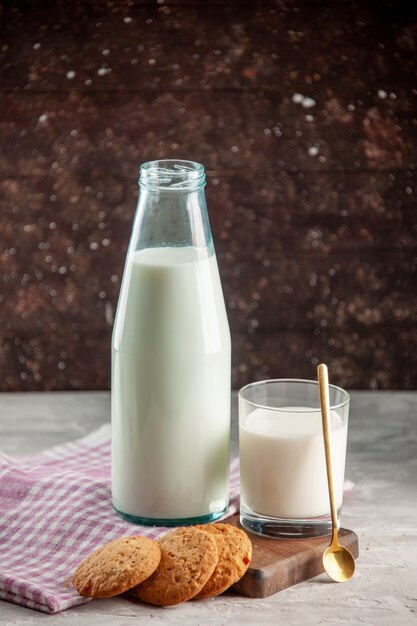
(338, 562)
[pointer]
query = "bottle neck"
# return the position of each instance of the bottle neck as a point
(168, 217)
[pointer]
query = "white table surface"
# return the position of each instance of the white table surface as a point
(382, 509)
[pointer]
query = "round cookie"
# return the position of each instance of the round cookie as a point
(235, 553)
(188, 559)
(117, 566)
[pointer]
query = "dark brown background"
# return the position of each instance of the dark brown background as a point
(312, 207)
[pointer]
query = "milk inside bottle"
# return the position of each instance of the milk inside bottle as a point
(171, 359)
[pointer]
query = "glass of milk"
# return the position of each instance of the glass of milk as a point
(171, 359)
(283, 489)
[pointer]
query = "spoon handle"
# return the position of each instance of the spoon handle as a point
(323, 378)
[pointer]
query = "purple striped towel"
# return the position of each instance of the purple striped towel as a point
(55, 508)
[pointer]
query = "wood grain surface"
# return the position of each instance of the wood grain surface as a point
(281, 563)
(304, 115)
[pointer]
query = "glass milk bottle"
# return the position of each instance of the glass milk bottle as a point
(171, 359)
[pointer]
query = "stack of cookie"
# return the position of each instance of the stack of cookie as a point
(190, 562)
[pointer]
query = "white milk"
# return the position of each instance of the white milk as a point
(283, 464)
(171, 387)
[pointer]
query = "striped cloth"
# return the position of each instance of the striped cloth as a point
(55, 508)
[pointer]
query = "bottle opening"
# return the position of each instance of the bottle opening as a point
(172, 175)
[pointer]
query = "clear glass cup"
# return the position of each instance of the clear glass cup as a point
(283, 489)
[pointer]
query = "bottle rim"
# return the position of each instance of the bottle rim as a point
(172, 175)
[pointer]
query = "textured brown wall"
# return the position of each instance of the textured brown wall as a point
(304, 114)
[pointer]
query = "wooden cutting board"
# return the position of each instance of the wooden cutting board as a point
(281, 563)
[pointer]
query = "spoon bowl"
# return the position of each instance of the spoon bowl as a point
(338, 562)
